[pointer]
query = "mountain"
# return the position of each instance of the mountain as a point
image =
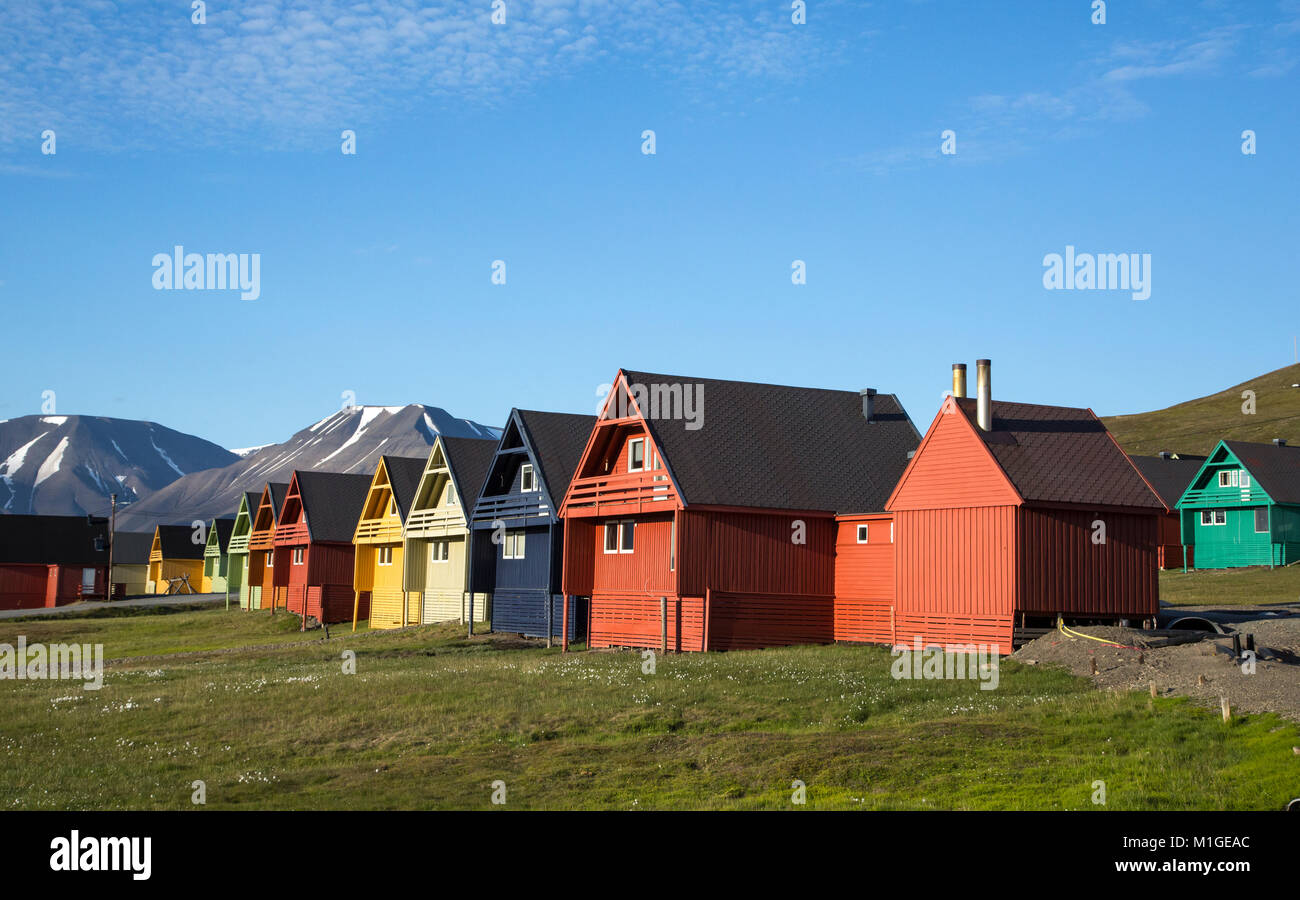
(68, 465)
(351, 440)
(1195, 426)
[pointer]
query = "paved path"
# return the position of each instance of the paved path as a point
(88, 605)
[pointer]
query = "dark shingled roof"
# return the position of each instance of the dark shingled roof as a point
(253, 498)
(468, 459)
(1060, 454)
(1277, 469)
(53, 540)
(403, 478)
(178, 542)
(777, 447)
(224, 528)
(558, 440)
(332, 503)
(1169, 477)
(278, 491)
(131, 548)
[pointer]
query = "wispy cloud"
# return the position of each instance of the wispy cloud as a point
(283, 72)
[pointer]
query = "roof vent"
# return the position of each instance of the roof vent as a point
(868, 403)
(1279, 442)
(959, 380)
(1165, 454)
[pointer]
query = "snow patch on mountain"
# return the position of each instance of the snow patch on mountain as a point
(51, 464)
(165, 458)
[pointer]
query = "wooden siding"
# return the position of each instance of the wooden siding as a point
(1062, 570)
(955, 574)
(43, 585)
(864, 579)
(620, 621)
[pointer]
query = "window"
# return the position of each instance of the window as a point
(297, 556)
(862, 534)
(527, 482)
(619, 536)
(451, 493)
(1229, 478)
(513, 546)
(1245, 479)
(270, 560)
(661, 488)
(440, 551)
(392, 506)
(1207, 517)
(1261, 520)
(1220, 517)
(636, 455)
(384, 556)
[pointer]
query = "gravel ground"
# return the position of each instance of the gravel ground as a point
(1198, 665)
(88, 605)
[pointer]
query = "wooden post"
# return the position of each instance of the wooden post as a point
(564, 628)
(1153, 689)
(1227, 710)
(663, 624)
(550, 574)
(112, 530)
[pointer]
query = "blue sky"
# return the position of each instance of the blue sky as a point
(522, 142)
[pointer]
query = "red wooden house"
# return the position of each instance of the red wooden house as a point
(720, 498)
(1169, 474)
(1011, 514)
(314, 553)
(261, 546)
(52, 560)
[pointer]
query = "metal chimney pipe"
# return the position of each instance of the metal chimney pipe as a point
(984, 397)
(959, 380)
(868, 403)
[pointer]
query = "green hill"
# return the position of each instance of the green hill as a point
(1195, 426)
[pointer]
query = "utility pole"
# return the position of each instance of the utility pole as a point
(112, 530)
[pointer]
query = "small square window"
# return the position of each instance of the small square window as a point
(636, 455)
(862, 534)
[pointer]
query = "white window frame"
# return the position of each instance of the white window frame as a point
(630, 445)
(450, 493)
(298, 556)
(440, 550)
(617, 533)
(891, 532)
(513, 545)
(864, 534)
(627, 527)
(527, 470)
(1229, 478)
(270, 560)
(1220, 513)
(384, 556)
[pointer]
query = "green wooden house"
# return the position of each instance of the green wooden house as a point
(237, 567)
(1243, 506)
(215, 559)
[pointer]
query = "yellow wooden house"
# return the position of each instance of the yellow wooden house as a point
(177, 551)
(436, 535)
(379, 559)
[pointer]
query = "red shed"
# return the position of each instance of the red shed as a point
(721, 496)
(1012, 513)
(864, 578)
(314, 552)
(52, 560)
(1169, 474)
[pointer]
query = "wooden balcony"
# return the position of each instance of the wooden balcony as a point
(623, 494)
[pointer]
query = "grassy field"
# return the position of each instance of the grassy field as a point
(1231, 587)
(1195, 426)
(431, 719)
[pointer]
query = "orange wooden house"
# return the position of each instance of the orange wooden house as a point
(314, 554)
(261, 546)
(1011, 514)
(706, 509)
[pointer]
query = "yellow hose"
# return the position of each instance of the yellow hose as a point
(1060, 626)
